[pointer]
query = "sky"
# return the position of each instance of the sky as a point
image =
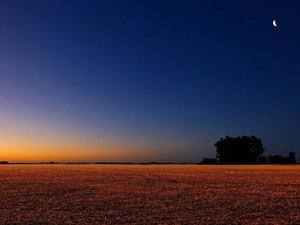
(146, 80)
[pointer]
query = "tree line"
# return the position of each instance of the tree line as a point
(245, 150)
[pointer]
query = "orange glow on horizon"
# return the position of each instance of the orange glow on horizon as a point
(26, 151)
(25, 139)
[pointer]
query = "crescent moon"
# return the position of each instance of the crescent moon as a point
(274, 23)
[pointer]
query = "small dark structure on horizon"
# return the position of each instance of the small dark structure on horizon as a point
(208, 161)
(278, 159)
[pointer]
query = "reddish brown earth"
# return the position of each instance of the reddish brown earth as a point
(146, 194)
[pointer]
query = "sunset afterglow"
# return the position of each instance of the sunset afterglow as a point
(142, 81)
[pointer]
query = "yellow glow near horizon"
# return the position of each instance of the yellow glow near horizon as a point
(24, 139)
(29, 140)
(36, 149)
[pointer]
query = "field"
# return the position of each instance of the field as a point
(149, 194)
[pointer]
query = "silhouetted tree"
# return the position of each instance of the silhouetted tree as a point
(3, 162)
(291, 158)
(239, 150)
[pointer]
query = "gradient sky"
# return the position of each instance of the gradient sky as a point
(146, 80)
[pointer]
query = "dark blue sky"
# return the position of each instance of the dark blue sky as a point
(174, 74)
